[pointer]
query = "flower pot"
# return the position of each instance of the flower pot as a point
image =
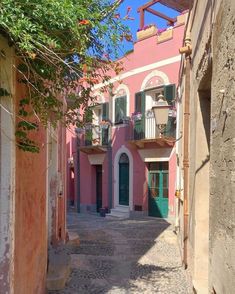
(165, 36)
(149, 32)
(137, 116)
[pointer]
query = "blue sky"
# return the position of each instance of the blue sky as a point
(149, 18)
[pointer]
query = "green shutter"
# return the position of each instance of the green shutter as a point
(105, 111)
(88, 115)
(105, 116)
(169, 93)
(88, 119)
(170, 130)
(140, 102)
(139, 126)
(120, 109)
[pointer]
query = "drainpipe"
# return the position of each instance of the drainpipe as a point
(187, 50)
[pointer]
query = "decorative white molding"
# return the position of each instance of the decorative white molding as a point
(155, 73)
(123, 149)
(98, 93)
(138, 70)
(127, 91)
(153, 155)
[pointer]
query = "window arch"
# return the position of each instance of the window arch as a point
(124, 158)
(157, 77)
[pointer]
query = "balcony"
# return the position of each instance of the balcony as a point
(145, 131)
(96, 139)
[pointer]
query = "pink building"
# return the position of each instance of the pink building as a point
(119, 159)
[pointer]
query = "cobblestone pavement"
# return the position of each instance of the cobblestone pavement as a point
(124, 256)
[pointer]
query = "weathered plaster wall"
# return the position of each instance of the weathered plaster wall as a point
(212, 162)
(222, 194)
(7, 168)
(199, 29)
(30, 255)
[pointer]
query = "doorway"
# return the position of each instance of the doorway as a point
(158, 189)
(98, 187)
(124, 180)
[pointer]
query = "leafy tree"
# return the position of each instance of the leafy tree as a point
(64, 47)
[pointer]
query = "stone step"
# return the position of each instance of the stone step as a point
(73, 238)
(120, 212)
(59, 268)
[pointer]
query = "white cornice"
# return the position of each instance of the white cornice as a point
(138, 70)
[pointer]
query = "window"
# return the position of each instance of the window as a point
(124, 158)
(120, 109)
(94, 134)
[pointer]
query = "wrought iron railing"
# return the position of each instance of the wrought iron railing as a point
(96, 135)
(145, 127)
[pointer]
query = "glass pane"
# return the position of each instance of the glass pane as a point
(164, 165)
(154, 192)
(138, 102)
(165, 192)
(155, 180)
(165, 180)
(153, 166)
(124, 158)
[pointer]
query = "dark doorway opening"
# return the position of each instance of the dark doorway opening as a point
(98, 187)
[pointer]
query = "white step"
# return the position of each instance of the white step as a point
(120, 212)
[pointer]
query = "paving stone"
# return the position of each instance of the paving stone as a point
(124, 256)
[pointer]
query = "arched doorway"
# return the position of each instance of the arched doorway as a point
(124, 179)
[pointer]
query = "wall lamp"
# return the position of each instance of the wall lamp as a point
(161, 112)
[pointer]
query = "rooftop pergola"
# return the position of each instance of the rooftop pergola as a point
(178, 5)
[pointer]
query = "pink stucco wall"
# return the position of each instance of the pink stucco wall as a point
(146, 53)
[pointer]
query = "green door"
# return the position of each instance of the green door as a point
(124, 180)
(158, 189)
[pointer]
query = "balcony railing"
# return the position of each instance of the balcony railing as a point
(96, 135)
(145, 127)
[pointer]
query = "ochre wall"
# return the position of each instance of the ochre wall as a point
(30, 216)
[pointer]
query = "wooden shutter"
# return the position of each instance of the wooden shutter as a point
(139, 126)
(120, 109)
(105, 116)
(140, 102)
(169, 93)
(105, 111)
(88, 115)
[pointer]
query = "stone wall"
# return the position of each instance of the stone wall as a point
(222, 172)
(211, 239)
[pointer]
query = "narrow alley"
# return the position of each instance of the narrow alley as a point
(124, 256)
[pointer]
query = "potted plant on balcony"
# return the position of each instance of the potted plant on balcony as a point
(136, 116)
(126, 120)
(146, 32)
(165, 34)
